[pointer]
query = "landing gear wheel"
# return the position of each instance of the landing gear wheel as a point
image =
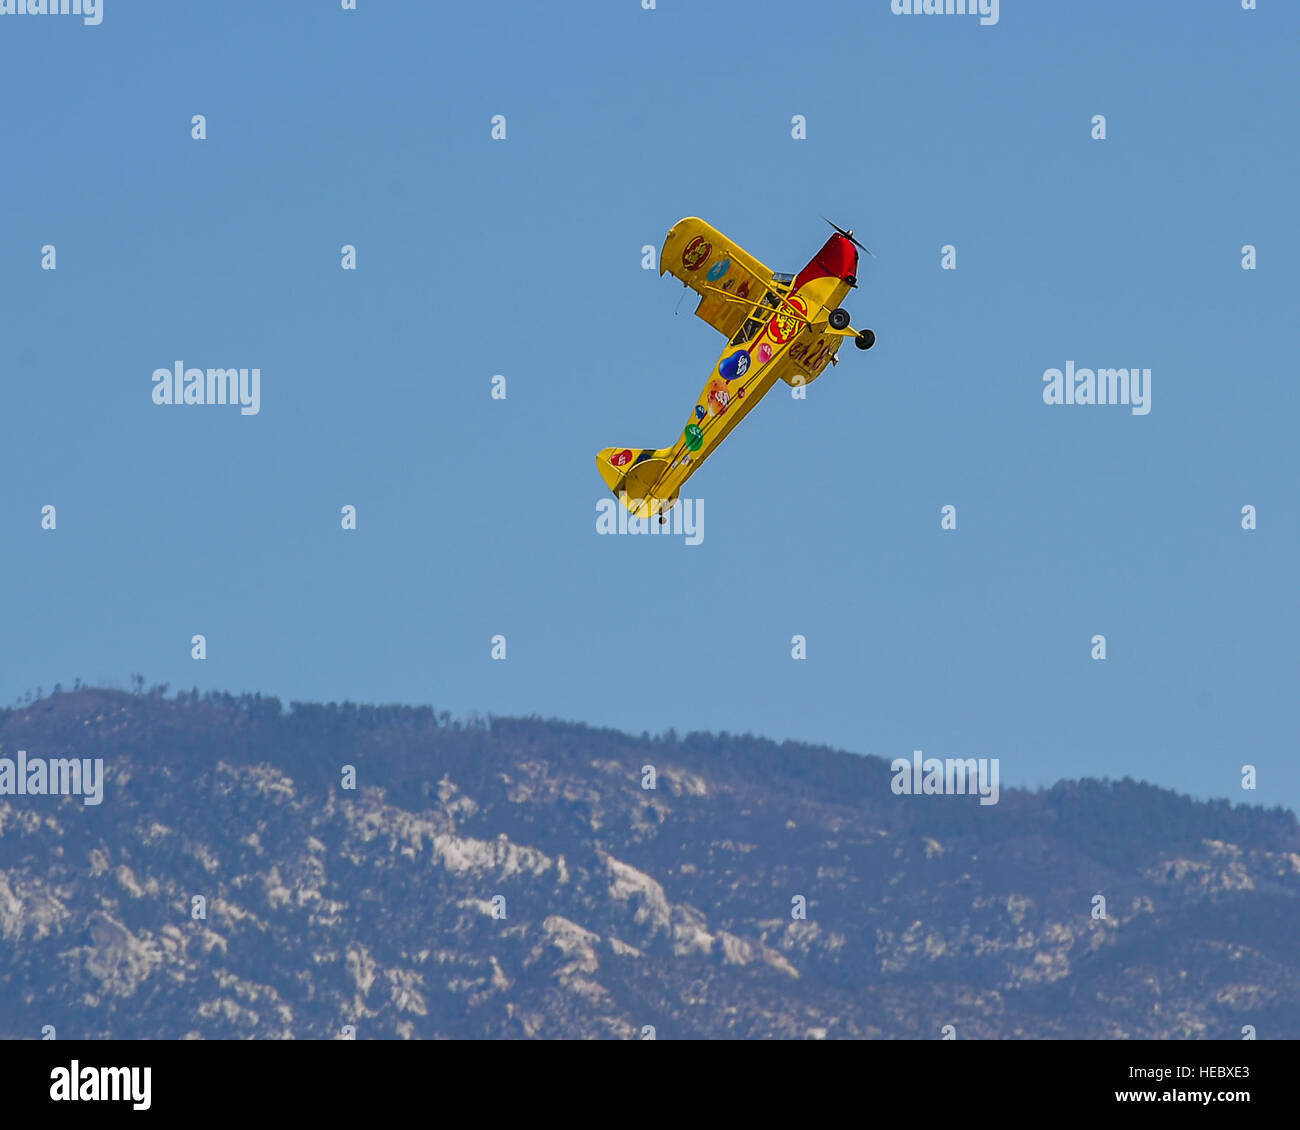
(865, 340)
(840, 319)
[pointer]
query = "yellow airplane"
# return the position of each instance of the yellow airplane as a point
(779, 327)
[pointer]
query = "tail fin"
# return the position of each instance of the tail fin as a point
(633, 476)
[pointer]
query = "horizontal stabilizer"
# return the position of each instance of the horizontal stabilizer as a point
(633, 475)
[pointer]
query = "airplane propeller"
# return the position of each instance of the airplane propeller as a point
(848, 234)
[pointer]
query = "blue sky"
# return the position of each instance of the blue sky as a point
(522, 257)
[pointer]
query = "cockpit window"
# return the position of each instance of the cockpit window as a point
(753, 325)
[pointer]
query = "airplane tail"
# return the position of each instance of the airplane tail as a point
(633, 475)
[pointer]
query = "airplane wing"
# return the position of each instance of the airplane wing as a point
(728, 279)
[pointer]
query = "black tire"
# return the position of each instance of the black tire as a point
(852, 280)
(865, 340)
(840, 319)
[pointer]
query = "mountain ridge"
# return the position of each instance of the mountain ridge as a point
(625, 907)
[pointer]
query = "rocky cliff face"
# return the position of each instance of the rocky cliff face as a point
(515, 879)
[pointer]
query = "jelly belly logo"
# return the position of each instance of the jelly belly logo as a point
(621, 458)
(784, 324)
(697, 253)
